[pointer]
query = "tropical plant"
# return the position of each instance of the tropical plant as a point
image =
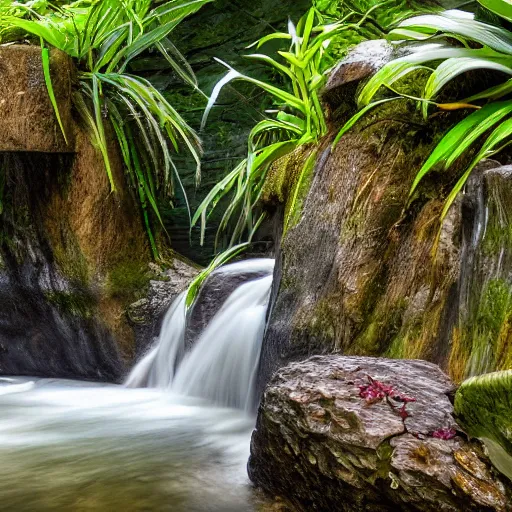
(104, 37)
(220, 259)
(480, 45)
(380, 16)
(297, 120)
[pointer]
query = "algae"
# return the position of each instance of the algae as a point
(76, 303)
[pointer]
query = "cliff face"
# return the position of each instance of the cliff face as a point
(72, 254)
(356, 270)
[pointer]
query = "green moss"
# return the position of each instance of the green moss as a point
(71, 260)
(483, 406)
(301, 188)
(481, 336)
(497, 237)
(75, 303)
(128, 280)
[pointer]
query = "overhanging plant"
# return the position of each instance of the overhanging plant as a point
(298, 119)
(455, 43)
(103, 37)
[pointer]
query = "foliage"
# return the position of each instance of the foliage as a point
(483, 405)
(298, 119)
(380, 16)
(104, 37)
(219, 260)
(481, 45)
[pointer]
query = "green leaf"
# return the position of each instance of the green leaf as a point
(220, 259)
(270, 37)
(500, 136)
(502, 8)
(460, 138)
(493, 93)
(451, 68)
(402, 66)
(45, 58)
(462, 24)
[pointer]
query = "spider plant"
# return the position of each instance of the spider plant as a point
(104, 37)
(481, 45)
(298, 119)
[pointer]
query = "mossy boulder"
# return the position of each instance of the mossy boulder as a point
(364, 269)
(483, 405)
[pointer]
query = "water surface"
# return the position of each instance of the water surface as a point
(69, 445)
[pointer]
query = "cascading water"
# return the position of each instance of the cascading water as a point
(221, 366)
(178, 442)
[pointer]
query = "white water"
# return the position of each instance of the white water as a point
(222, 365)
(78, 446)
(156, 368)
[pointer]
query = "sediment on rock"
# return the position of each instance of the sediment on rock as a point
(27, 118)
(367, 434)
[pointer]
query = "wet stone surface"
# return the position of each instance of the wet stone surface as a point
(361, 433)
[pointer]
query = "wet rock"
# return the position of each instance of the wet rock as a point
(367, 270)
(73, 256)
(322, 443)
(217, 288)
(27, 120)
(146, 314)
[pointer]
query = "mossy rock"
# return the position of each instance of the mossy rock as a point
(483, 405)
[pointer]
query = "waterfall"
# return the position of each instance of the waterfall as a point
(156, 368)
(221, 365)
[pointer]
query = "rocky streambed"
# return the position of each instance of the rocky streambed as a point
(369, 434)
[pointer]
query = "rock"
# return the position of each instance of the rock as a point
(146, 314)
(217, 287)
(367, 270)
(323, 444)
(74, 256)
(361, 62)
(27, 119)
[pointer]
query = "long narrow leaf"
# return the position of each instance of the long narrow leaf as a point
(45, 58)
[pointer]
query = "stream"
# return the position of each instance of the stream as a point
(179, 444)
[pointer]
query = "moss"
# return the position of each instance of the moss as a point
(77, 304)
(487, 337)
(484, 409)
(128, 280)
(301, 188)
(322, 325)
(405, 344)
(70, 259)
(283, 175)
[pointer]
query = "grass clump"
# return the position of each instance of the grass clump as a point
(456, 42)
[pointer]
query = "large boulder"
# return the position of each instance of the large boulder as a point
(146, 314)
(364, 269)
(217, 287)
(360, 433)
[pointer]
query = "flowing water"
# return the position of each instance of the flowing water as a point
(175, 437)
